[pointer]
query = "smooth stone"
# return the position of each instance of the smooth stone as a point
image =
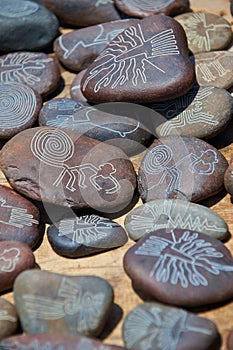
(75, 88)
(196, 113)
(8, 319)
(19, 108)
(181, 267)
(230, 337)
(15, 257)
(20, 218)
(174, 213)
(144, 8)
(36, 69)
(228, 177)
(146, 63)
(181, 167)
(26, 25)
(214, 68)
(59, 167)
(77, 49)
(157, 326)
(48, 302)
(85, 235)
(54, 342)
(205, 31)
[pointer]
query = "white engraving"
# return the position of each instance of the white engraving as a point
(148, 5)
(5, 316)
(183, 260)
(8, 259)
(64, 108)
(128, 56)
(103, 2)
(14, 9)
(210, 66)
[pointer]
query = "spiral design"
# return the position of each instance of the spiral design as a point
(157, 159)
(150, 5)
(17, 105)
(52, 147)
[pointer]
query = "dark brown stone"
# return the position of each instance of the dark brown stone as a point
(181, 167)
(181, 267)
(75, 88)
(146, 63)
(228, 177)
(8, 319)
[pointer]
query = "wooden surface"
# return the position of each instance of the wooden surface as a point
(109, 265)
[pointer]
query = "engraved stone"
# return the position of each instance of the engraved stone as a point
(19, 108)
(75, 88)
(52, 303)
(174, 213)
(181, 167)
(78, 48)
(181, 267)
(160, 327)
(146, 63)
(60, 167)
(8, 319)
(144, 8)
(26, 25)
(196, 113)
(36, 69)
(205, 31)
(19, 218)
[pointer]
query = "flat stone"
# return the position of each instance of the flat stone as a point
(36, 69)
(19, 108)
(196, 113)
(146, 63)
(75, 88)
(144, 8)
(205, 31)
(8, 319)
(79, 48)
(52, 303)
(54, 342)
(228, 178)
(20, 218)
(157, 326)
(181, 167)
(26, 25)
(214, 68)
(174, 213)
(181, 267)
(15, 257)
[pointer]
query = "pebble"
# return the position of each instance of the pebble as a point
(19, 108)
(174, 213)
(20, 218)
(181, 167)
(77, 49)
(36, 69)
(228, 177)
(157, 326)
(26, 25)
(75, 88)
(84, 235)
(48, 302)
(15, 257)
(205, 31)
(181, 267)
(8, 319)
(146, 63)
(214, 68)
(59, 167)
(196, 113)
(144, 8)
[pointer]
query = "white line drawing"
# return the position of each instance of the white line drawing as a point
(160, 160)
(22, 67)
(65, 109)
(17, 105)
(211, 67)
(5, 316)
(103, 2)
(34, 345)
(25, 8)
(128, 55)
(158, 327)
(55, 148)
(149, 5)
(17, 217)
(8, 259)
(180, 260)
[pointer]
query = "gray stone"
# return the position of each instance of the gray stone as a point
(9, 321)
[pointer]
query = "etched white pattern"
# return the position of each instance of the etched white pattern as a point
(34, 345)
(103, 2)
(211, 68)
(64, 108)
(8, 259)
(17, 217)
(55, 147)
(5, 316)
(128, 56)
(17, 105)
(148, 5)
(24, 67)
(183, 260)
(18, 9)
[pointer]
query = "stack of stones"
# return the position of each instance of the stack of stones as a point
(152, 80)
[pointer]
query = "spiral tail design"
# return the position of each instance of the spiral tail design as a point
(157, 159)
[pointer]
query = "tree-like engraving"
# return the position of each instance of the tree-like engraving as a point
(128, 56)
(148, 5)
(8, 259)
(183, 260)
(210, 68)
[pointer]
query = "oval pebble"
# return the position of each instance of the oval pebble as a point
(9, 321)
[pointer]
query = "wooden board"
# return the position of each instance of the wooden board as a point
(109, 265)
